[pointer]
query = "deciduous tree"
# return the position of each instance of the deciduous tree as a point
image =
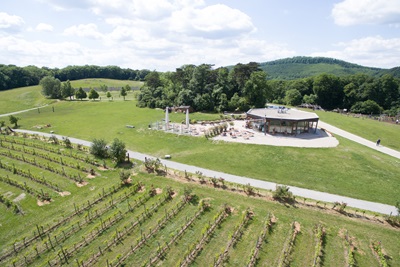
(14, 120)
(51, 87)
(123, 92)
(80, 94)
(93, 94)
(118, 151)
(67, 90)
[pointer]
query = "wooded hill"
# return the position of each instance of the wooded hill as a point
(303, 67)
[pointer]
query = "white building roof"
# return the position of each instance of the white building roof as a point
(282, 114)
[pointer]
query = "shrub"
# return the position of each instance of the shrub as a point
(67, 142)
(124, 176)
(118, 151)
(282, 193)
(99, 148)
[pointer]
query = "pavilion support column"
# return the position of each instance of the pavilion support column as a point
(265, 127)
(296, 128)
(315, 130)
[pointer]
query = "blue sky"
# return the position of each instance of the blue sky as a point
(166, 34)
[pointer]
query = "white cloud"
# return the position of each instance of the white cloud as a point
(11, 23)
(353, 12)
(61, 5)
(215, 22)
(146, 10)
(84, 30)
(370, 51)
(44, 27)
(39, 53)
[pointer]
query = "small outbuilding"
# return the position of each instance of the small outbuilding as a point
(281, 120)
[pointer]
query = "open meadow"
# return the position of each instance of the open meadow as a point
(62, 206)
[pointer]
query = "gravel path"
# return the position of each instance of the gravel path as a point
(311, 194)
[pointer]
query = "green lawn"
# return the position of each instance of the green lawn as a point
(31, 97)
(349, 169)
(96, 83)
(21, 99)
(368, 128)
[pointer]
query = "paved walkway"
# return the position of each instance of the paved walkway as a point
(360, 140)
(320, 196)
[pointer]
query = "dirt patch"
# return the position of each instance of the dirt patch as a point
(297, 226)
(92, 188)
(20, 197)
(81, 184)
(273, 219)
(42, 203)
(91, 176)
(158, 191)
(101, 168)
(65, 193)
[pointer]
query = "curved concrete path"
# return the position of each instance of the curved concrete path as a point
(360, 140)
(320, 196)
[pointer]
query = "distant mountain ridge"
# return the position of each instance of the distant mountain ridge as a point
(302, 67)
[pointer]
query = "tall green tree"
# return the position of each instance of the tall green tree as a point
(329, 91)
(67, 90)
(128, 88)
(241, 73)
(14, 120)
(51, 87)
(293, 97)
(118, 151)
(256, 89)
(152, 80)
(200, 80)
(93, 94)
(390, 91)
(80, 94)
(108, 95)
(123, 92)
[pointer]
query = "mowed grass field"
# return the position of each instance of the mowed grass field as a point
(31, 97)
(368, 128)
(22, 98)
(349, 169)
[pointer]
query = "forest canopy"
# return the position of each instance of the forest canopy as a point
(246, 86)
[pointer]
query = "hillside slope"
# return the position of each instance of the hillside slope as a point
(301, 67)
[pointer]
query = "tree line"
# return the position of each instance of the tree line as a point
(12, 76)
(246, 86)
(53, 88)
